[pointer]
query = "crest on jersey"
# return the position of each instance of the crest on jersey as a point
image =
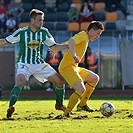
(33, 44)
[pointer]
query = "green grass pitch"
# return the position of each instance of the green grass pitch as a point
(39, 116)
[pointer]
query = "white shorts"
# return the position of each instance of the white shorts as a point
(40, 71)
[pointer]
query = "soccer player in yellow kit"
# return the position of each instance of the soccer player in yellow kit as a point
(77, 76)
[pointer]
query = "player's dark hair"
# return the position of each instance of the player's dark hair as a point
(35, 12)
(96, 25)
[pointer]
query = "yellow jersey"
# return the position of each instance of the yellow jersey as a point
(81, 43)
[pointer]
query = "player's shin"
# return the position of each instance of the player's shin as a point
(60, 92)
(89, 90)
(14, 95)
(73, 101)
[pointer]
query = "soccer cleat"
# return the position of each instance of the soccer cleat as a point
(10, 111)
(67, 115)
(63, 107)
(63, 116)
(85, 108)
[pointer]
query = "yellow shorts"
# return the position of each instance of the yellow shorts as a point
(74, 74)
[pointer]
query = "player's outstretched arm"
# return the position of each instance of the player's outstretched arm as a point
(58, 47)
(3, 42)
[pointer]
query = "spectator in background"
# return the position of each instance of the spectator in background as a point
(91, 60)
(86, 13)
(10, 24)
(114, 5)
(54, 62)
(16, 10)
(3, 16)
(73, 13)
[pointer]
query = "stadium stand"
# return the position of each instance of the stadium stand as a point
(27, 7)
(50, 17)
(110, 26)
(74, 1)
(63, 36)
(78, 6)
(99, 7)
(73, 26)
(25, 17)
(39, 6)
(18, 2)
(64, 7)
(100, 16)
(92, 5)
(62, 16)
(49, 25)
(129, 20)
(28, 1)
(111, 16)
(84, 25)
(23, 24)
(61, 26)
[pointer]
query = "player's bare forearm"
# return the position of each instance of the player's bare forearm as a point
(3, 42)
(58, 47)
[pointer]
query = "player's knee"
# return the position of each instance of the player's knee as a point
(20, 81)
(20, 84)
(97, 78)
(94, 79)
(60, 83)
(79, 86)
(83, 90)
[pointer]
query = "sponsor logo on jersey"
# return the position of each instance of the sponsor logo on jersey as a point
(33, 44)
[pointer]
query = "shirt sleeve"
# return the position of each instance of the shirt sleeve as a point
(15, 37)
(49, 41)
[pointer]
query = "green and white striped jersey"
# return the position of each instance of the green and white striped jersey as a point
(31, 44)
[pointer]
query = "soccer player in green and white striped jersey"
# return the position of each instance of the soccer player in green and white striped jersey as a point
(31, 41)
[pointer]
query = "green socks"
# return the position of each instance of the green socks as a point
(59, 95)
(14, 95)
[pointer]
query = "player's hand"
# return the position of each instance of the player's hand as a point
(76, 58)
(52, 52)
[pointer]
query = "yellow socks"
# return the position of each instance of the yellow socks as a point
(89, 90)
(73, 101)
